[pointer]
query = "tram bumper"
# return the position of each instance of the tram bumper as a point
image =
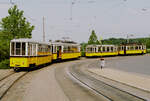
(18, 62)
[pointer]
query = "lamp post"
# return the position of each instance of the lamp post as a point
(100, 41)
(129, 35)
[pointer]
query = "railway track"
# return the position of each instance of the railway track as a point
(106, 90)
(8, 81)
(6, 76)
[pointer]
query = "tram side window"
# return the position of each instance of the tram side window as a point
(89, 49)
(54, 50)
(69, 49)
(107, 49)
(103, 49)
(99, 49)
(122, 48)
(49, 49)
(12, 48)
(23, 48)
(65, 49)
(136, 47)
(141, 47)
(119, 48)
(131, 48)
(30, 49)
(112, 49)
(74, 49)
(34, 49)
(93, 50)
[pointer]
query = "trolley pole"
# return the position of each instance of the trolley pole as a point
(43, 29)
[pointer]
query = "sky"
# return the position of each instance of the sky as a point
(77, 18)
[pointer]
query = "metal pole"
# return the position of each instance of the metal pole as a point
(127, 38)
(43, 29)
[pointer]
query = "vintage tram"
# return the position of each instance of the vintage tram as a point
(26, 53)
(101, 50)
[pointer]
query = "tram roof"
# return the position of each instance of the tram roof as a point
(29, 40)
(100, 45)
(60, 43)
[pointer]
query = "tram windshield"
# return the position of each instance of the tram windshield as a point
(18, 48)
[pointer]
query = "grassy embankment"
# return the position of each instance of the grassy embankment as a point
(4, 64)
(148, 50)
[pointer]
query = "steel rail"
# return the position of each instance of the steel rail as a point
(10, 86)
(102, 88)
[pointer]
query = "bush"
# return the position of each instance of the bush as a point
(148, 50)
(4, 64)
(82, 53)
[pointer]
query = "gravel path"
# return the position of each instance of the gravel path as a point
(44, 86)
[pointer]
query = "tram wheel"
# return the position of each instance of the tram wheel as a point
(16, 69)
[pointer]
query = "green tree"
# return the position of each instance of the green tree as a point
(83, 48)
(148, 43)
(93, 38)
(15, 25)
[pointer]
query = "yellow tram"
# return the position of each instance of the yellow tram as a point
(25, 53)
(129, 49)
(101, 50)
(113, 50)
(63, 50)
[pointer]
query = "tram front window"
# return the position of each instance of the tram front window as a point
(18, 48)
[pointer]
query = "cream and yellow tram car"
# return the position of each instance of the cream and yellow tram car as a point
(26, 53)
(129, 49)
(101, 50)
(64, 50)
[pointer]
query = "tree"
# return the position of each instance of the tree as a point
(148, 43)
(93, 38)
(15, 25)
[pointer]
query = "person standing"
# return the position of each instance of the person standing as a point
(102, 62)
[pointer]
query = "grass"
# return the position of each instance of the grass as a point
(148, 50)
(4, 64)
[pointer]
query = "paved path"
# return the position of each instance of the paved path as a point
(132, 70)
(135, 80)
(135, 64)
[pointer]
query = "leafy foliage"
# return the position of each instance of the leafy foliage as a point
(15, 25)
(93, 38)
(118, 41)
(83, 47)
(4, 64)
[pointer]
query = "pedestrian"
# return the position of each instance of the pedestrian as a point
(102, 62)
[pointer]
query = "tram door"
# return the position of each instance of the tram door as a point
(58, 52)
(125, 50)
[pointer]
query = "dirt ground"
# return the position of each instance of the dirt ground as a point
(38, 85)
